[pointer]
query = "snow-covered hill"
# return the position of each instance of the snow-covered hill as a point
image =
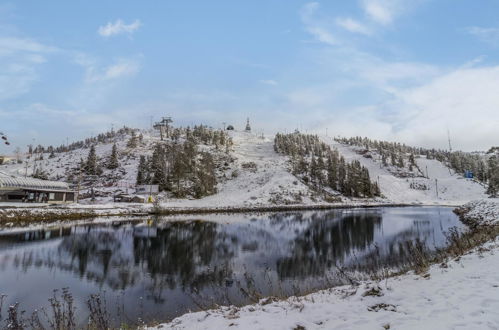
(257, 175)
(261, 177)
(453, 189)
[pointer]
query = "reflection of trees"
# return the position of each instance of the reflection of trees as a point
(190, 254)
(328, 241)
(267, 254)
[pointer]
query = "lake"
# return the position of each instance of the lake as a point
(158, 268)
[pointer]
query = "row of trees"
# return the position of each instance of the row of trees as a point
(317, 164)
(392, 154)
(92, 165)
(105, 137)
(485, 167)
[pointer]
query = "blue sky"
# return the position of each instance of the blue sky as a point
(394, 69)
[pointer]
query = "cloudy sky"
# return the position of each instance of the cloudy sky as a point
(407, 70)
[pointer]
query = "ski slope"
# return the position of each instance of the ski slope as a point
(444, 186)
(270, 180)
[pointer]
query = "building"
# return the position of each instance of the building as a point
(29, 190)
(248, 127)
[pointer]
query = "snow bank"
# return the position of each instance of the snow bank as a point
(480, 212)
(462, 295)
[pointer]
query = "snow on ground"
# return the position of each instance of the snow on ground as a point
(463, 296)
(453, 189)
(261, 177)
(254, 186)
(482, 212)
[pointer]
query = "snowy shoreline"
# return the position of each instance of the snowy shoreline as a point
(26, 212)
(461, 292)
(483, 212)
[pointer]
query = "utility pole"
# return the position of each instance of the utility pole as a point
(79, 183)
(436, 187)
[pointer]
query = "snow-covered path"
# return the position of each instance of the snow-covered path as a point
(463, 296)
(453, 189)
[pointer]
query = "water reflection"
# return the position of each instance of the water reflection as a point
(176, 265)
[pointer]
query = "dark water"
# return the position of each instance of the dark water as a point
(161, 268)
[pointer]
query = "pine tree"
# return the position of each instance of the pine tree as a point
(205, 180)
(400, 161)
(493, 174)
(132, 143)
(158, 166)
(113, 159)
(141, 171)
(332, 172)
(91, 167)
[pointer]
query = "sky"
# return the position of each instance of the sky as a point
(413, 71)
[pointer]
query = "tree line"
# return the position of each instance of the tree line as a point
(484, 166)
(316, 164)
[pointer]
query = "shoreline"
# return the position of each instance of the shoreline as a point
(22, 213)
(464, 271)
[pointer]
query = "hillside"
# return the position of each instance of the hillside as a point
(452, 189)
(250, 173)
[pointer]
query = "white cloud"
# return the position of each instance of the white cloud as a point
(384, 12)
(269, 82)
(118, 27)
(352, 25)
(19, 58)
(314, 26)
(11, 46)
(379, 11)
(465, 101)
(488, 35)
(120, 69)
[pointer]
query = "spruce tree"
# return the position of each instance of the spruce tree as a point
(141, 171)
(132, 143)
(113, 159)
(493, 174)
(91, 163)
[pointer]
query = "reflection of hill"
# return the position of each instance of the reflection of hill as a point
(187, 254)
(327, 242)
(193, 257)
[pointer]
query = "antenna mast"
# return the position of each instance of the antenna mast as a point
(448, 137)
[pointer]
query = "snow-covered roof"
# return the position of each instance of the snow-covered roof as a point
(9, 181)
